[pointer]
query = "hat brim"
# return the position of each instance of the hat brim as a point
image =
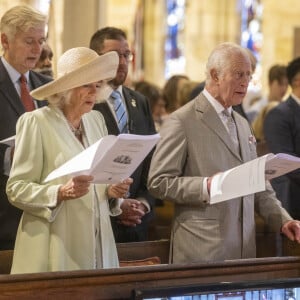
(104, 67)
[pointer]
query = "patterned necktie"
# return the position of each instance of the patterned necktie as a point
(231, 126)
(25, 96)
(120, 111)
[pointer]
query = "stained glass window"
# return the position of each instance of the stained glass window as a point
(251, 35)
(174, 44)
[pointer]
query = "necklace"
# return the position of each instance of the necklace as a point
(77, 131)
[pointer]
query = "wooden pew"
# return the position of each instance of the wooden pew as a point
(144, 253)
(157, 252)
(5, 261)
(120, 283)
(130, 254)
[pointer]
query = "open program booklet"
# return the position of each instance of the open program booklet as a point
(251, 176)
(110, 160)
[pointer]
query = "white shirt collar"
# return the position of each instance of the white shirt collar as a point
(12, 72)
(215, 103)
(297, 99)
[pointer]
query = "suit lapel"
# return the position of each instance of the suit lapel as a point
(110, 121)
(36, 82)
(243, 136)
(131, 105)
(295, 107)
(9, 92)
(212, 120)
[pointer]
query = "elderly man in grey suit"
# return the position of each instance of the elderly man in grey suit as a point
(196, 144)
(22, 37)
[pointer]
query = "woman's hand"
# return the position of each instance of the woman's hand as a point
(76, 187)
(119, 190)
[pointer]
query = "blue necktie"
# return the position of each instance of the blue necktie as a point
(120, 111)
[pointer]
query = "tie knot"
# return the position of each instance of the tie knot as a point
(115, 95)
(226, 113)
(23, 79)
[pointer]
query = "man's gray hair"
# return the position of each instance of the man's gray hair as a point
(221, 58)
(21, 18)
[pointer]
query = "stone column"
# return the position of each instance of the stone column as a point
(208, 23)
(153, 42)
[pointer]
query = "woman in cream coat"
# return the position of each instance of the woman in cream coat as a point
(66, 222)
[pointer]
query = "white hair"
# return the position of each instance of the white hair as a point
(21, 18)
(222, 57)
(61, 99)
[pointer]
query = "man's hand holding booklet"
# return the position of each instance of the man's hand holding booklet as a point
(251, 176)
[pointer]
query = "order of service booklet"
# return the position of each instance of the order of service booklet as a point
(110, 160)
(251, 176)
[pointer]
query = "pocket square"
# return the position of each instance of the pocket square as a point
(252, 139)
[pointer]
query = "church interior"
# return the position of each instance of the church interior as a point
(171, 37)
(176, 39)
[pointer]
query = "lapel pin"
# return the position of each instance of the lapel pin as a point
(133, 102)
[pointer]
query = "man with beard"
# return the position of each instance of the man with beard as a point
(44, 64)
(127, 111)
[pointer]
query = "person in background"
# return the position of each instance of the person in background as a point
(254, 92)
(135, 118)
(44, 64)
(203, 138)
(197, 90)
(157, 103)
(278, 85)
(171, 90)
(282, 135)
(185, 92)
(65, 223)
(22, 38)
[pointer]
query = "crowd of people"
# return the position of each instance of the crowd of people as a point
(71, 223)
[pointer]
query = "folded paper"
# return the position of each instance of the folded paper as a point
(110, 160)
(251, 176)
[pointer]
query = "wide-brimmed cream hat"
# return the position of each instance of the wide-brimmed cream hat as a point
(80, 66)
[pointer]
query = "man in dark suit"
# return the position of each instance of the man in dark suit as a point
(138, 121)
(282, 134)
(22, 36)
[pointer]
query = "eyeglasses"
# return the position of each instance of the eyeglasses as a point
(242, 75)
(127, 55)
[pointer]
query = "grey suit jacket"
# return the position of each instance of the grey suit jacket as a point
(195, 144)
(11, 108)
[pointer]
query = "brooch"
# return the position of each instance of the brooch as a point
(133, 102)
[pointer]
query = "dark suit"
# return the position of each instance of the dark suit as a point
(11, 108)
(140, 122)
(282, 134)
